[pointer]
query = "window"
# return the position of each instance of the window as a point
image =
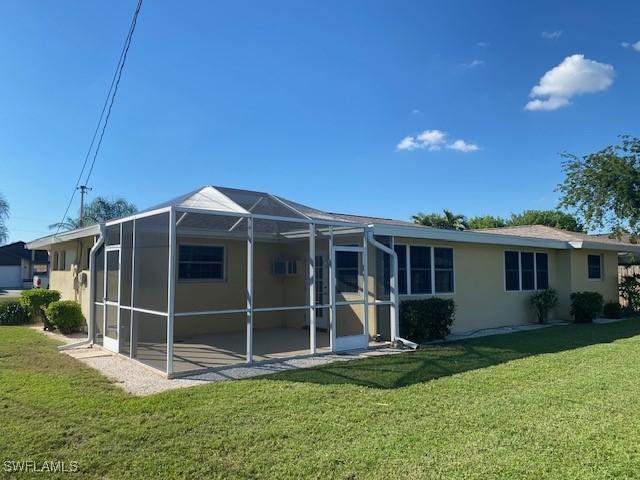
(542, 271)
(594, 263)
(420, 264)
(512, 270)
(443, 265)
(54, 263)
(347, 268)
(201, 262)
(526, 271)
(430, 269)
(62, 260)
(401, 251)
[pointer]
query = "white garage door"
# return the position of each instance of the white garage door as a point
(10, 276)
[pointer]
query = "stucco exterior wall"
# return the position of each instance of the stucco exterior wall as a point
(480, 295)
(67, 280)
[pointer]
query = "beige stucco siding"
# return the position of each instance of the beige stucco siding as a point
(480, 295)
(479, 290)
(67, 280)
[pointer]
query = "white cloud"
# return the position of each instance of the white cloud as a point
(407, 143)
(483, 44)
(434, 140)
(462, 146)
(633, 46)
(574, 76)
(416, 111)
(472, 64)
(552, 35)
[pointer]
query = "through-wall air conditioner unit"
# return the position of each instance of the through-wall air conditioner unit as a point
(284, 267)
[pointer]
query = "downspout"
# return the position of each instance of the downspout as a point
(90, 323)
(395, 338)
(394, 288)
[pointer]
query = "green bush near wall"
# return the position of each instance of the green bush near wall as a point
(612, 310)
(13, 312)
(426, 320)
(37, 300)
(585, 306)
(65, 315)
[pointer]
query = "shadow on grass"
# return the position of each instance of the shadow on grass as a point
(442, 360)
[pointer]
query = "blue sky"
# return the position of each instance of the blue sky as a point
(310, 100)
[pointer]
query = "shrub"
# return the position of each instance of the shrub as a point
(542, 302)
(629, 289)
(37, 300)
(65, 315)
(424, 320)
(13, 312)
(612, 310)
(585, 306)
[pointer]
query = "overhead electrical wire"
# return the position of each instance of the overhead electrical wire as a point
(106, 107)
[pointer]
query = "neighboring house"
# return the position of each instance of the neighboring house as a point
(223, 276)
(18, 265)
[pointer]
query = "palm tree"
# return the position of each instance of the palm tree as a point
(447, 221)
(99, 210)
(4, 215)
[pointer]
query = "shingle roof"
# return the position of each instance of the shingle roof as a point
(551, 233)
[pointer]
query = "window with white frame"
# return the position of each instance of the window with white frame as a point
(424, 270)
(200, 262)
(526, 270)
(594, 266)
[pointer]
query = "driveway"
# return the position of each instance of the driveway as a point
(10, 292)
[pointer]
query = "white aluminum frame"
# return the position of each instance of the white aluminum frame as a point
(177, 214)
(535, 271)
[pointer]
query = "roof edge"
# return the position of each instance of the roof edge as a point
(42, 242)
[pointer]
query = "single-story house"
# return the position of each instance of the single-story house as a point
(221, 276)
(18, 265)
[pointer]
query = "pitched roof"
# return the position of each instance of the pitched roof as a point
(551, 233)
(13, 253)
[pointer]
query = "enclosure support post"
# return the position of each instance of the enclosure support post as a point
(133, 333)
(393, 283)
(365, 283)
(312, 291)
(250, 290)
(332, 293)
(171, 290)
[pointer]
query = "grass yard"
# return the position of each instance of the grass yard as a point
(562, 403)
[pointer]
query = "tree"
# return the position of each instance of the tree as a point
(447, 220)
(486, 221)
(99, 210)
(604, 187)
(4, 215)
(550, 218)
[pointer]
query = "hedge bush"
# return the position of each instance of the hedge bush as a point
(13, 312)
(37, 300)
(543, 302)
(65, 315)
(612, 310)
(426, 320)
(585, 306)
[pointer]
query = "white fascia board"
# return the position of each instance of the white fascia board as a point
(44, 242)
(621, 248)
(467, 237)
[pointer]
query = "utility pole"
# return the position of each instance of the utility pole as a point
(83, 189)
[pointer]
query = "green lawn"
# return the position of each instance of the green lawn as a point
(562, 403)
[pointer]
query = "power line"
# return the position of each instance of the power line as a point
(111, 95)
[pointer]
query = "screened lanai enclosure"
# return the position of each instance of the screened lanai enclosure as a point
(222, 276)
